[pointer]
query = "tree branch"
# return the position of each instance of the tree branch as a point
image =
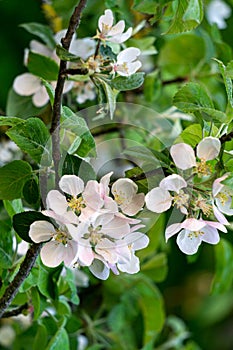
(22, 274)
(15, 312)
(226, 137)
(55, 126)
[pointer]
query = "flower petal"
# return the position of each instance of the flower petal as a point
(26, 84)
(217, 186)
(210, 235)
(71, 184)
(208, 148)
(117, 28)
(99, 269)
(183, 156)
(158, 200)
(128, 55)
(171, 230)
(40, 97)
(135, 205)
(219, 216)
(120, 38)
(56, 202)
(187, 243)
(106, 19)
(193, 224)
(41, 231)
(85, 255)
(52, 253)
(173, 182)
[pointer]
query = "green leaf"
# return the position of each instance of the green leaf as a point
(128, 83)
(145, 6)
(224, 268)
(22, 222)
(74, 165)
(21, 106)
(42, 31)
(192, 98)
(13, 207)
(60, 340)
(31, 191)
(42, 66)
(50, 90)
(10, 121)
(69, 287)
(188, 14)
(65, 55)
(12, 179)
(111, 95)
(40, 338)
(107, 52)
(228, 181)
(31, 137)
(5, 259)
(47, 281)
(156, 268)
(78, 127)
(152, 86)
(191, 135)
(227, 76)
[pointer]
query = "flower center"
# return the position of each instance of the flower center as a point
(76, 204)
(195, 234)
(205, 207)
(181, 199)
(203, 168)
(223, 197)
(62, 237)
(94, 234)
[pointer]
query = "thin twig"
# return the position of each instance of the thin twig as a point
(15, 312)
(226, 137)
(22, 274)
(55, 126)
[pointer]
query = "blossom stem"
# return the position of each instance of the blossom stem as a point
(22, 274)
(55, 125)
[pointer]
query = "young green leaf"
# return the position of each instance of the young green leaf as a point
(13, 176)
(128, 83)
(42, 66)
(42, 31)
(65, 55)
(74, 165)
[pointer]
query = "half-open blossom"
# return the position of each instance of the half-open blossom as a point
(125, 194)
(112, 33)
(60, 246)
(159, 199)
(127, 62)
(184, 157)
(222, 196)
(192, 232)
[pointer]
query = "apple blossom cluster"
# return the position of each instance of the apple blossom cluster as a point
(196, 193)
(89, 57)
(92, 226)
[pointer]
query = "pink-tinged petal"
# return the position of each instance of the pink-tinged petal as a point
(121, 38)
(210, 235)
(216, 225)
(99, 269)
(139, 240)
(66, 218)
(173, 182)
(106, 19)
(135, 205)
(104, 183)
(56, 202)
(208, 148)
(117, 28)
(71, 184)
(92, 196)
(187, 242)
(134, 67)
(219, 216)
(70, 253)
(85, 255)
(41, 97)
(158, 200)
(128, 55)
(107, 250)
(41, 231)
(183, 156)
(77, 232)
(193, 224)
(217, 186)
(171, 230)
(52, 253)
(26, 84)
(125, 189)
(116, 228)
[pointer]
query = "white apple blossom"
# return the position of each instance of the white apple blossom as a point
(28, 84)
(184, 157)
(222, 200)
(59, 246)
(84, 91)
(159, 199)
(192, 232)
(108, 32)
(127, 63)
(217, 11)
(125, 194)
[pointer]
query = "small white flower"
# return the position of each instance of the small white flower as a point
(127, 63)
(108, 32)
(192, 232)
(222, 197)
(125, 194)
(217, 12)
(61, 246)
(184, 157)
(159, 199)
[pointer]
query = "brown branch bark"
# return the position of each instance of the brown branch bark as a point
(55, 126)
(15, 312)
(22, 274)
(226, 137)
